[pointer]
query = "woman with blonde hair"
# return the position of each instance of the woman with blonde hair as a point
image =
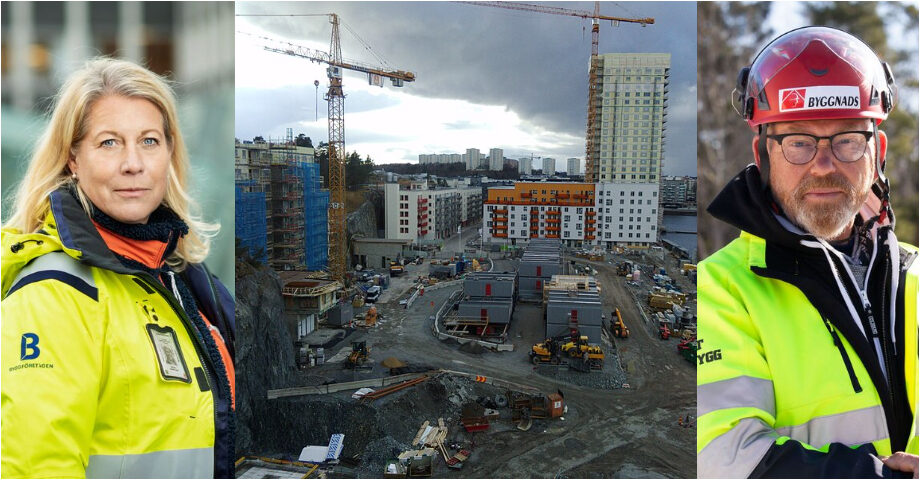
(117, 342)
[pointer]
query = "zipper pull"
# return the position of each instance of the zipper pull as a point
(868, 308)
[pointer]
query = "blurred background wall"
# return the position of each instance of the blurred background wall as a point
(731, 34)
(191, 43)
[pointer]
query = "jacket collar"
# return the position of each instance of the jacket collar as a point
(77, 232)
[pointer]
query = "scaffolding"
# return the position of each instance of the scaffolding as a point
(294, 205)
(251, 219)
(316, 225)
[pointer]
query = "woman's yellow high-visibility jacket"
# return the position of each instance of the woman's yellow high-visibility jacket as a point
(104, 374)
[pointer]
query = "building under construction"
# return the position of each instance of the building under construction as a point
(281, 208)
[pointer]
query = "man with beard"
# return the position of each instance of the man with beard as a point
(807, 364)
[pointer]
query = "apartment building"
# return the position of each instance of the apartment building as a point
(416, 211)
(549, 166)
(632, 94)
(525, 166)
(573, 167)
(578, 214)
(496, 159)
(678, 191)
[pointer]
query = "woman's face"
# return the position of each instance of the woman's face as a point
(122, 162)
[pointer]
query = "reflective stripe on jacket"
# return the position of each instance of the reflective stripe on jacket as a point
(774, 371)
(103, 373)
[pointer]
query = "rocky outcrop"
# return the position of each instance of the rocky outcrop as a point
(363, 221)
(264, 349)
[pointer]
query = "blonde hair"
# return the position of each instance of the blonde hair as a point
(48, 168)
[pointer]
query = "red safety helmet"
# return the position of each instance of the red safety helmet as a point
(815, 73)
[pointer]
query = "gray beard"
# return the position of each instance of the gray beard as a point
(826, 220)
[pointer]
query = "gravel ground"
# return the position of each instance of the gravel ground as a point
(608, 431)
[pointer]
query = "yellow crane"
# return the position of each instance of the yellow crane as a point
(590, 151)
(336, 100)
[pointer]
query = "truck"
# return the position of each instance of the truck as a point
(396, 269)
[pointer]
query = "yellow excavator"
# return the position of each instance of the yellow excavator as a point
(359, 354)
(552, 351)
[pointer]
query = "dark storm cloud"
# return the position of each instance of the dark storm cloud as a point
(533, 64)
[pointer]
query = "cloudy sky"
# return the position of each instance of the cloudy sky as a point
(486, 77)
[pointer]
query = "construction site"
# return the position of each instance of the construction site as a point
(491, 360)
(477, 376)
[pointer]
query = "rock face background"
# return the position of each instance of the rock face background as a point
(265, 353)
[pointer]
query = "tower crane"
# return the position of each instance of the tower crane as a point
(595, 16)
(336, 100)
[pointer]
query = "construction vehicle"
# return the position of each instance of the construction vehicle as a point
(664, 332)
(688, 349)
(625, 269)
(619, 328)
(358, 356)
(548, 351)
(574, 346)
(396, 269)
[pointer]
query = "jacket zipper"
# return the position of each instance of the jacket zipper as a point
(200, 348)
(843, 354)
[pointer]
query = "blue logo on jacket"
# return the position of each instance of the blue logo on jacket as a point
(29, 347)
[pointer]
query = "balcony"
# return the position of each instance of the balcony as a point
(552, 228)
(534, 235)
(589, 237)
(553, 212)
(590, 229)
(501, 227)
(534, 228)
(500, 235)
(503, 211)
(562, 195)
(500, 219)
(534, 211)
(552, 235)
(526, 195)
(590, 221)
(591, 213)
(552, 220)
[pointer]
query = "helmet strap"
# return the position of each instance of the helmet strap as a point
(764, 156)
(881, 188)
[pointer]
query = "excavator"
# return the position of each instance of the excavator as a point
(619, 328)
(552, 350)
(359, 354)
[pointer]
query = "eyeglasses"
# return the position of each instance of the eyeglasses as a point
(800, 148)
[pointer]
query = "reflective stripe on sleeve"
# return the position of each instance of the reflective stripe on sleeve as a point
(187, 463)
(737, 392)
(856, 427)
(736, 453)
(57, 266)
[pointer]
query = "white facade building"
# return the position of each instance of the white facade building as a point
(525, 165)
(472, 158)
(416, 212)
(549, 166)
(496, 159)
(573, 167)
(627, 213)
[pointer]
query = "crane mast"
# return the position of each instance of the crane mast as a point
(336, 100)
(335, 97)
